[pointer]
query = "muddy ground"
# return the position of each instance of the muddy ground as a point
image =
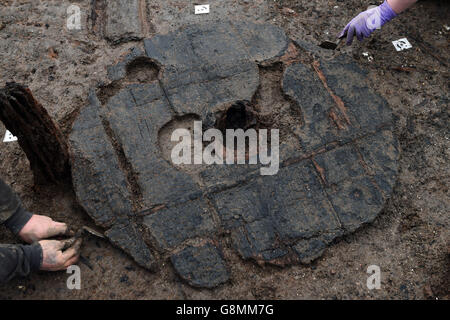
(410, 238)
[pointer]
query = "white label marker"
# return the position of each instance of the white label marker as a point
(401, 44)
(201, 9)
(9, 137)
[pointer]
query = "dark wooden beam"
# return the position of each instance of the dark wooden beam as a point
(39, 137)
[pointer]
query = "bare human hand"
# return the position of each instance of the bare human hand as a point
(42, 227)
(56, 257)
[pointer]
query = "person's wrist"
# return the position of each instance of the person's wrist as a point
(35, 255)
(386, 12)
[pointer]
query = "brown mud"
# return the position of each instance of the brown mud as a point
(410, 238)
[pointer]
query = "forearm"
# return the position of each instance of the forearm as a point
(400, 5)
(12, 214)
(19, 260)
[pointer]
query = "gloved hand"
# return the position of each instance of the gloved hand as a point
(42, 227)
(367, 22)
(59, 255)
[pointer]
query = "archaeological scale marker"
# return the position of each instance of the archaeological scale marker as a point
(202, 9)
(9, 137)
(402, 44)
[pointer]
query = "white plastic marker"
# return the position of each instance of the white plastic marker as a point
(402, 44)
(201, 9)
(368, 56)
(9, 137)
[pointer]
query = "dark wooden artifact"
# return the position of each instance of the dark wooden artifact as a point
(39, 137)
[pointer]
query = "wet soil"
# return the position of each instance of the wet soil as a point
(410, 238)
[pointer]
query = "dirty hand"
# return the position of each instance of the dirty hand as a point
(367, 22)
(42, 227)
(55, 255)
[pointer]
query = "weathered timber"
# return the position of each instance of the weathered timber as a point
(38, 135)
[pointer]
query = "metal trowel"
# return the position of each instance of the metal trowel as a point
(329, 45)
(86, 231)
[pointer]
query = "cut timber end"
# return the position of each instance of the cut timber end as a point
(39, 137)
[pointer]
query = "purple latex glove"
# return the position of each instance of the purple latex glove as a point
(367, 22)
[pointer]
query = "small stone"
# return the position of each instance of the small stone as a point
(288, 11)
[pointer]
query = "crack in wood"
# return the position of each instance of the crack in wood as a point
(339, 103)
